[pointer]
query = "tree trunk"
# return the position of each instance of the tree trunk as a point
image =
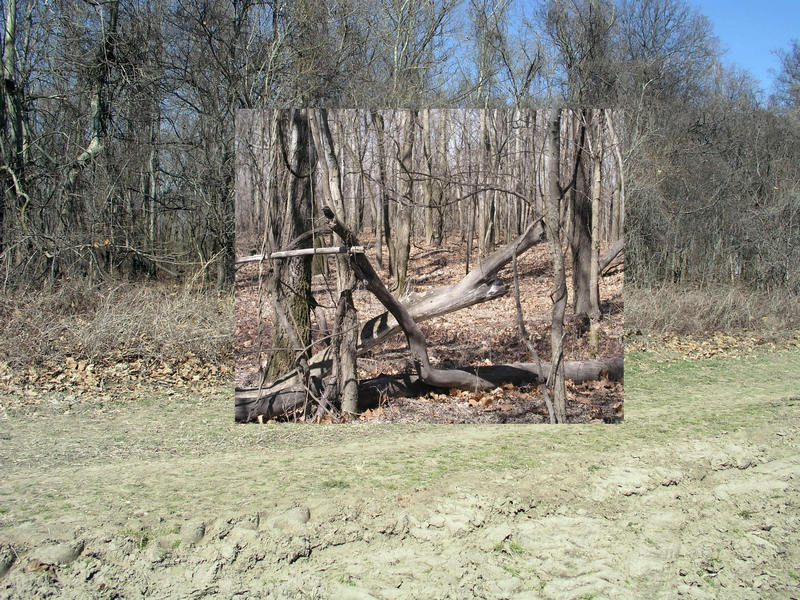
(428, 185)
(377, 121)
(617, 211)
(13, 172)
(581, 240)
(347, 376)
(485, 198)
(103, 56)
(578, 371)
(292, 276)
(594, 265)
(441, 203)
(555, 380)
(402, 238)
(332, 189)
(249, 406)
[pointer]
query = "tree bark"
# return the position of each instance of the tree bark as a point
(378, 123)
(347, 375)
(428, 184)
(581, 239)
(293, 275)
(12, 111)
(617, 212)
(485, 198)
(441, 186)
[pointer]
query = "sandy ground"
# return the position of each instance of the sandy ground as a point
(696, 494)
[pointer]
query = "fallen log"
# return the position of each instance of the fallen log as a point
(313, 251)
(243, 260)
(610, 254)
(249, 405)
(478, 286)
(517, 374)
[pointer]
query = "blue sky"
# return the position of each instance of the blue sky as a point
(751, 29)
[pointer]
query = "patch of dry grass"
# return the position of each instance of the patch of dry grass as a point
(117, 319)
(671, 309)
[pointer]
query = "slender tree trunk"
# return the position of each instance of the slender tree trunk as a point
(347, 317)
(404, 210)
(500, 200)
(618, 211)
(378, 123)
(555, 381)
(485, 198)
(428, 186)
(11, 156)
(11, 95)
(581, 239)
(518, 169)
(594, 266)
(472, 208)
(441, 203)
(152, 192)
(377, 216)
(103, 58)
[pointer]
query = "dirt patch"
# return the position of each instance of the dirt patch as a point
(696, 494)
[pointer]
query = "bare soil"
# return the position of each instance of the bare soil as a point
(161, 495)
(480, 335)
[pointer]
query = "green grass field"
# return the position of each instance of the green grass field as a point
(695, 493)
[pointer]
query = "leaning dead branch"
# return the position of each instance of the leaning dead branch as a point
(364, 271)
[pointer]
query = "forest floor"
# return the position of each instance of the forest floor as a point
(159, 494)
(484, 334)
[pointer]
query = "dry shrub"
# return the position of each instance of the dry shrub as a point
(116, 321)
(724, 308)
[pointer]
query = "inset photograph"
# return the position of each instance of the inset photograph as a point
(429, 266)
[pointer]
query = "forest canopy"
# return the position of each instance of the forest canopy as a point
(117, 121)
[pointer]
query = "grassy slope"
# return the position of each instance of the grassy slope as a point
(176, 457)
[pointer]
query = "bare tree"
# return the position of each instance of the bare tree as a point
(788, 80)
